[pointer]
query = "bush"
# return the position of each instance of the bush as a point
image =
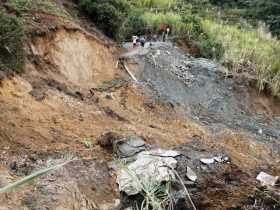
(132, 25)
(107, 14)
(210, 48)
(11, 43)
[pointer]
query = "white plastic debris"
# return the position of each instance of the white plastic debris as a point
(149, 166)
(267, 179)
(191, 174)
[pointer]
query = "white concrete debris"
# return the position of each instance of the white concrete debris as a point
(219, 159)
(207, 161)
(267, 179)
(154, 165)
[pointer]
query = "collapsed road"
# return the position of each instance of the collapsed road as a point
(206, 93)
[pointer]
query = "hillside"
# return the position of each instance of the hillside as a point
(79, 102)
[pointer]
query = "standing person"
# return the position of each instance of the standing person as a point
(134, 41)
(163, 36)
(142, 41)
(167, 31)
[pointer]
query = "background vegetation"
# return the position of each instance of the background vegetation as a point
(11, 43)
(267, 11)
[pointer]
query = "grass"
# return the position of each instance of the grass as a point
(158, 4)
(248, 50)
(153, 20)
(88, 143)
(22, 6)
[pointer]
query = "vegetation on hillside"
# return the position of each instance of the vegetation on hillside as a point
(11, 43)
(253, 51)
(267, 11)
(16, 21)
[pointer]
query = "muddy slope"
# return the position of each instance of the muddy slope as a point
(207, 95)
(72, 92)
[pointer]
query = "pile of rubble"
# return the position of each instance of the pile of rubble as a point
(162, 59)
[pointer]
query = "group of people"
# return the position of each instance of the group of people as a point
(142, 40)
(139, 40)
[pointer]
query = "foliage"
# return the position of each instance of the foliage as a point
(133, 24)
(153, 20)
(158, 4)
(20, 5)
(36, 5)
(254, 10)
(107, 14)
(11, 43)
(88, 143)
(253, 51)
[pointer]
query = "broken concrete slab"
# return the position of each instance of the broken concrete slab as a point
(150, 166)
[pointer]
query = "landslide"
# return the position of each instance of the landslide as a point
(72, 92)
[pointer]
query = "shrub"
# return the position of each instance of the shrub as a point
(11, 43)
(133, 24)
(107, 14)
(210, 48)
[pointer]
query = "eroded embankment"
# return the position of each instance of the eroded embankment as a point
(71, 93)
(206, 93)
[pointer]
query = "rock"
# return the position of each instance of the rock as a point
(191, 174)
(38, 94)
(2, 75)
(267, 179)
(107, 139)
(149, 166)
(128, 147)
